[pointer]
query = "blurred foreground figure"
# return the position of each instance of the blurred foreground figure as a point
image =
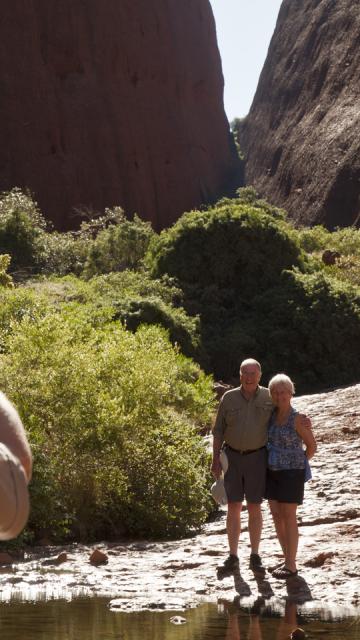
(15, 471)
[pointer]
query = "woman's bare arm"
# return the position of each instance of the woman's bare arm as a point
(307, 437)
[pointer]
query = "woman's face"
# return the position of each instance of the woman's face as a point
(281, 395)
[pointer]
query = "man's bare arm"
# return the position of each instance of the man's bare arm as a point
(216, 465)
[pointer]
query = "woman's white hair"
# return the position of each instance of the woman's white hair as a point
(282, 378)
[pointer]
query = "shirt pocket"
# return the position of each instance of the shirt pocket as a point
(264, 411)
(233, 417)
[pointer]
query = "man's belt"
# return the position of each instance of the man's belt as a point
(245, 452)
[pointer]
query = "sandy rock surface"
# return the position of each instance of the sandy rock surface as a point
(176, 575)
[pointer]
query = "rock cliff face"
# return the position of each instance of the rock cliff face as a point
(115, 102)
(301, 138)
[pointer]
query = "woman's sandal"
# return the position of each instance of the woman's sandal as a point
(282, 573)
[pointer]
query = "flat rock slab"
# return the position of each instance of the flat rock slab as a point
(176, 575)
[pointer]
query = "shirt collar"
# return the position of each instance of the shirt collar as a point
(255, 394)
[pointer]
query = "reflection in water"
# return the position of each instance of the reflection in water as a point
(258, 629)
(91, 619)
(261, 622)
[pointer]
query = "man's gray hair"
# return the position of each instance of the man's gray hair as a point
(282, 378)
(250, 361)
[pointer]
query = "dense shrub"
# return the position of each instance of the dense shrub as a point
(345, 240)
(131, 297)
(17, 304)
(64, 252)
(112, 419)
(5, 279)
(183, 329)
(103, 244)
(120, 246)
(249, 195)
(233, 246)
(346, 269)
(240, 268)
(308, 326)
(22, 231)
(223, 258)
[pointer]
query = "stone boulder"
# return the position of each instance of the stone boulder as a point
(301, 138)
(113, 103)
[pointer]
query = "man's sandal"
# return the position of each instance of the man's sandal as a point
(283, 573)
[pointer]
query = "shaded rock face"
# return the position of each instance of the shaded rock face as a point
(301, 138)
(113, 103)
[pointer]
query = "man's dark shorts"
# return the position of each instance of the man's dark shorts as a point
(285, 486)
(246, 475)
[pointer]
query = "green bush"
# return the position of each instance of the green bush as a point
(5, 279)
(112, 418)
(183, 329)
(22, 232)
(103, 244)
(346, 240)
(233, 246)
(308, 326)
(222, 258)
(64, 253)
(131, 297)
(346, 269)
(120, 246)
(17, 304)
(249, 195)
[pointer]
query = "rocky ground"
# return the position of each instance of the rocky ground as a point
(179, 574)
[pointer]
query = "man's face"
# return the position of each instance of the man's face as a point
(250, 377)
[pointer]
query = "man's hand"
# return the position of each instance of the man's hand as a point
(216, 468)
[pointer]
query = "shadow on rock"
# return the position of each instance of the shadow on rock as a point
(264, 586)
(298, 590)
(241, 587)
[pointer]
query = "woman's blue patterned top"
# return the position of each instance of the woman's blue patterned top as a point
(285, 445)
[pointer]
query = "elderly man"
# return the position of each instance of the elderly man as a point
(15, 471)
(241, 431)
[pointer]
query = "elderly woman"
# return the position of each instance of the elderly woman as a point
(288, 468)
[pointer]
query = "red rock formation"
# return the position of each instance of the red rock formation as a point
(302, 136)
(113, 103)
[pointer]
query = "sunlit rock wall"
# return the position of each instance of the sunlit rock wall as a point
(301, 138)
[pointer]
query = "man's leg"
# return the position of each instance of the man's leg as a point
(255, 525)
(233, 526)
(254, 478)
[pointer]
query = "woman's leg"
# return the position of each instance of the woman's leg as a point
(288, 517)
(275, 508)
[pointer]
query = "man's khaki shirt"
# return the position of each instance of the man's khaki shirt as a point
(243, 423)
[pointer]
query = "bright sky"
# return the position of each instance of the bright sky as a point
(244, 30)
